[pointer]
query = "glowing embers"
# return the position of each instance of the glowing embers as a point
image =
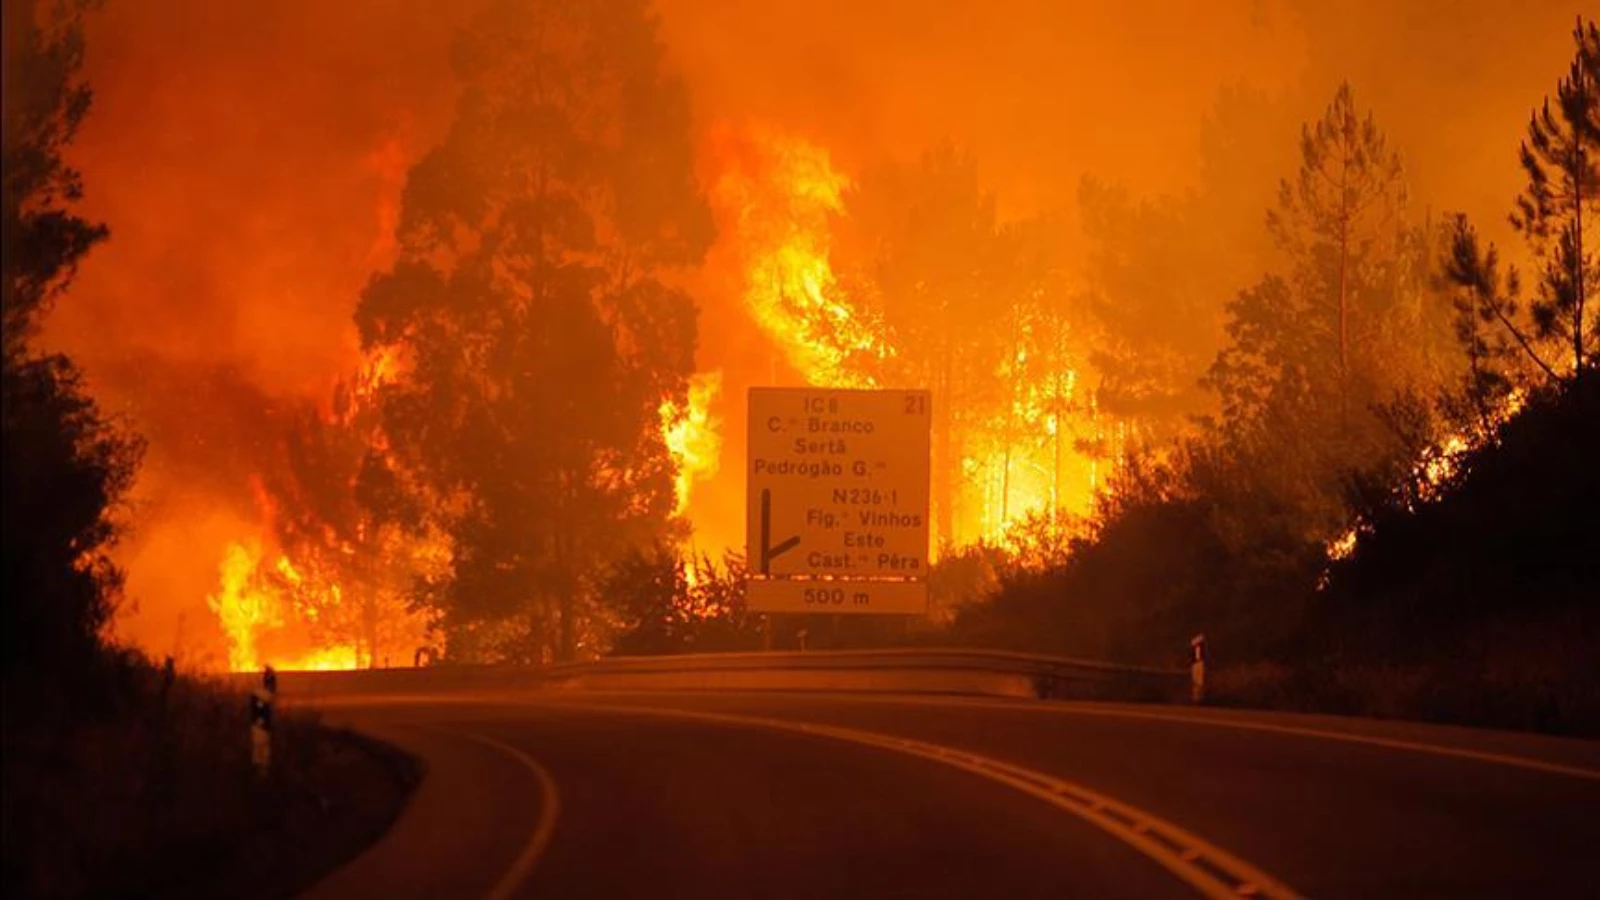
(1432, 472)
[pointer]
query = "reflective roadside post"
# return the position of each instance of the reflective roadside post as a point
(261, 703)
(1197, 669)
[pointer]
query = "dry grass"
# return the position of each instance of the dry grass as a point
(155, 795)
(1532, 677)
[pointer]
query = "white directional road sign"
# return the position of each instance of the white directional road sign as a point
(838, 496)
(855, 595)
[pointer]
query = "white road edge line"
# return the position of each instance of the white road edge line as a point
(522, 866)
(1182, 860)
(1504, 759)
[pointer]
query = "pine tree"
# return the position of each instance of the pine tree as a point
(1317, 352)
(1338, 219)
(1556, 215)
(925, 238)
(1560, 206)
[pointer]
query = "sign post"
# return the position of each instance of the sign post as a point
(837, 497)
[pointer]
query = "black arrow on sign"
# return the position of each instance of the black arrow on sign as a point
(769, 552)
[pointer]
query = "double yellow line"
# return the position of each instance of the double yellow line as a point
(1209, 869)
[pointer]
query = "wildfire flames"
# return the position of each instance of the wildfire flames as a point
(692, 436)
(780, 196)
(252, 610)
(317, 604)
(1433, 470)
(224, 298)
(274, 612)
(1031, 464)
(309, 597)
(778, 193)
(241, 610)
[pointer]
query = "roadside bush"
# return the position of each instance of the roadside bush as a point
(154, 794)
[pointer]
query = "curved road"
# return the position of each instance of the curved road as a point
(796, 795)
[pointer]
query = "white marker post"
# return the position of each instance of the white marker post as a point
(1197, 669)
(262, 700)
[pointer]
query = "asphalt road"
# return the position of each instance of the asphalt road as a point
(824, 796)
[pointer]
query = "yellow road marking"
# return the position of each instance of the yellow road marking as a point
(1207, 868)
(522, 866)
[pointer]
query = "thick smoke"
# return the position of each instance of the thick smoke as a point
(249, 157)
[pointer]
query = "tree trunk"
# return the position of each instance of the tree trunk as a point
(944, 452)
(1578, 279)
(1005, 480)
(1344, 274)
(568, 640)
(1055, 468)
(566, 602)
(369, 628)
(1344, 315)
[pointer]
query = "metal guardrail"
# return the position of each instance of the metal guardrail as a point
(900, 657)
(1045, 676)
(928, 670)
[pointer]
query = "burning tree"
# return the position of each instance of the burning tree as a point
(982, 312)
(357, 550)
(539, 340)
(1349, 326)
(907, 277)
(1556, 216)
(780, 197)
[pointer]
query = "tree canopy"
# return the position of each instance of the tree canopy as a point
(529, 309)
(66, 467)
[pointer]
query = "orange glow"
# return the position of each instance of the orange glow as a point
(256, 611)
(1438, 464)
(311, 597)
(779, 192)
(323, 659)
(780, 197)
(692, 436)
(253, 612)
(245, 223)
(242, 608)
(381, 365)
(339, 602)
(273, 613)
(1030, 465)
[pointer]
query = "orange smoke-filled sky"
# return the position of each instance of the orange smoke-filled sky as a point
(249, 157)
